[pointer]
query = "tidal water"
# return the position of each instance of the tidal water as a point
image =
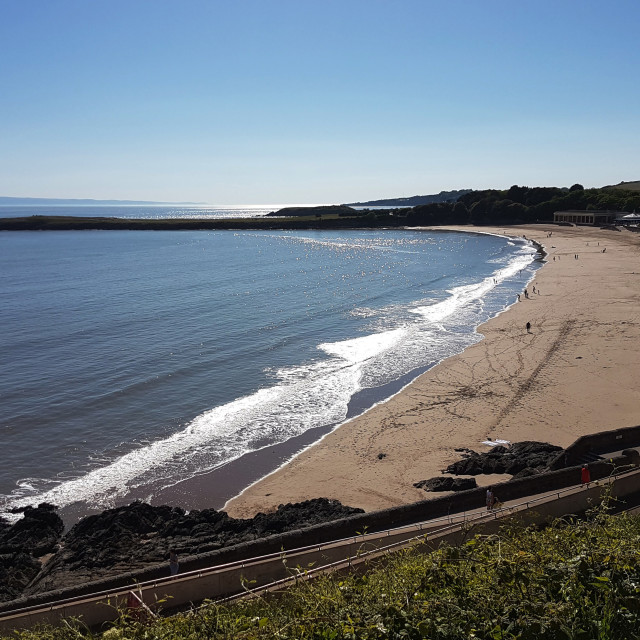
(134, 360)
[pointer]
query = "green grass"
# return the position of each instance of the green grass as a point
(573, 579)
(626, 186)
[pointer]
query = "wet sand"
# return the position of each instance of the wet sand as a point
(575, 373)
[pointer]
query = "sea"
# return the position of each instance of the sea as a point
(135, 361)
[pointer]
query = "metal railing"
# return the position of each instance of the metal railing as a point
(432, 535)
(451, 522)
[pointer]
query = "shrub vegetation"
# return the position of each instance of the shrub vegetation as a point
(575, 579)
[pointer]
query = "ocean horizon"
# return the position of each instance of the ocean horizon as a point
(144, 211)
(136, 361)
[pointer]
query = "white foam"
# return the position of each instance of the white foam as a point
(304, 396)
(463, 295)
(358, 350)
(459, 297)
(307, 396)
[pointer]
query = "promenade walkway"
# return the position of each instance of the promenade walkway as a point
(227, 582)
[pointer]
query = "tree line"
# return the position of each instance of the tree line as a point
(516, 205)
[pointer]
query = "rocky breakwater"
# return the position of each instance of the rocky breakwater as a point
(323, 210)
(35, 556)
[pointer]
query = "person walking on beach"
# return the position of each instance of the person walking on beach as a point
(174, 565)
(585, 474)
(528, 327)
(518, 296)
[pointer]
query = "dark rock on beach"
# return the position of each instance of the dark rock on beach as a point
(139, 535)
(16, 572)
(446, 483)
(36, 534)
(535, 456)
(526, 473)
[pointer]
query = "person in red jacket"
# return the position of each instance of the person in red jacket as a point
(585, 474)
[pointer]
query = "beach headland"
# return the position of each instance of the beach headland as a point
(574, 373)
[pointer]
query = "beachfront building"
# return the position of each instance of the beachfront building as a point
(587, 217)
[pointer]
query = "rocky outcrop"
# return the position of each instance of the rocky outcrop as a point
(139, 535)
(520, 456)
(333, 210)
(17, 570)
(36, 534)
(520, 460)
(446, 483)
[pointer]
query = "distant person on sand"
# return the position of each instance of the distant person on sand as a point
(174, 565)
(585, 474)
(518, 296)
(528, 327)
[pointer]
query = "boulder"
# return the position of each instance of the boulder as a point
(471, 466)
(512, 460)
(633, 455)
(36, 533)
(446, 483)
(16, 572)
(525, 473)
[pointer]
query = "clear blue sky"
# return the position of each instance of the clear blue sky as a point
(276, 101)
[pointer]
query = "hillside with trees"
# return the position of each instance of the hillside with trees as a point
(412, 201)
(518, 205)
(629, 186)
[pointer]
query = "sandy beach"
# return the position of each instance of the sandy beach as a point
(576, 372)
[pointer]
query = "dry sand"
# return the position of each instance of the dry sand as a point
(577, 372)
